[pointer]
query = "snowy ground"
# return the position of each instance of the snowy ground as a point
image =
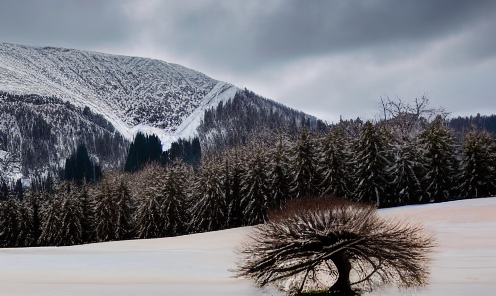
(464, 261)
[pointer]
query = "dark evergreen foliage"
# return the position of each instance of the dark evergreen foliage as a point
(438, 158)
(207, 196)
(478, 168)
(462, 125)
(305, 180)
(334, 168)
(370, 162)
(16, 223)
(79, 168)
(143, 149)
(188, 151)
(62, 217)
(245, 117)
(255, 190)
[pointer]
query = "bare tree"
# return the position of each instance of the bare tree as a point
(331, 245)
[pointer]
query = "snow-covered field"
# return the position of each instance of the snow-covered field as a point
(464, 261)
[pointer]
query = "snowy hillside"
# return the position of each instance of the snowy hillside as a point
(130, 92)
(464, 260)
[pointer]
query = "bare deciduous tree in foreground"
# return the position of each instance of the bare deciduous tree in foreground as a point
(332, 245)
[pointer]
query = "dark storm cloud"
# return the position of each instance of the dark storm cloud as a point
(254, 34)
(325, 57)
(78, 24)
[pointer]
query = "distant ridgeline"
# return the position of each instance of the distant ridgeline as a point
(464, 124)
(249, 115)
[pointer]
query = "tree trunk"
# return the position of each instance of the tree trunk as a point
(343, 266)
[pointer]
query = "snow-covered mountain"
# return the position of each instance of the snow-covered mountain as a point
(52, 99)
(130, 92)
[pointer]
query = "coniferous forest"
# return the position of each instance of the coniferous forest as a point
(411, 155)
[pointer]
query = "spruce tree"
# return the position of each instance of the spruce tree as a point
(15, 223)
(334, 168)
(406, 171)
(207, 196)
(125, 208)
(278, 176)
(304, 166)
(161, 205)
(478, 172)
(370, 162)
(88, 209)
(61, 218)
(105, 213)
(255, 188)
(437, 142)
(232, 189)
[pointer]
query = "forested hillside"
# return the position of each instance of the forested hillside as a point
(404, 159)
(38, 133)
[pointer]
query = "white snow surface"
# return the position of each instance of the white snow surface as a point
(464, 260)
(134, 94)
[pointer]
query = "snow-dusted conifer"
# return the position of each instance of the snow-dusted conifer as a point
(304, 166)
(254, 188)
(437, 142)
(406, 170)
(370, 164)
(207, 196)
(61, 218)
(232, 189)
(105, 212)
(160, 203)
(15, 223)
(278, 176)
(88, 222)
(113, 209)
(478, 172)
(334, 169)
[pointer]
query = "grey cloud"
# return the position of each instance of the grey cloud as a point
(243, 37)
(69, 23)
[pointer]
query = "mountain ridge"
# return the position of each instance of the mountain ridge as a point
(134, 94)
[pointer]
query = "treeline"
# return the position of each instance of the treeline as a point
(464, 124)
(382, 163)
(148, 148)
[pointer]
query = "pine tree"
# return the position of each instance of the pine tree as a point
(208, 209)
(278, 176)
(478, 172)
(61, 218)
(370, 164)
(254, 188)
(334, 170)
(437, 142)
(161, 205)
(106, 212)
(15, 223)
(406, 170)
(304, 166)
(232, 190)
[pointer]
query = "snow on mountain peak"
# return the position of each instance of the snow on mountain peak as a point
(134, 94)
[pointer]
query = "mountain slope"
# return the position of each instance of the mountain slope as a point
(103, 100)
(129, 92)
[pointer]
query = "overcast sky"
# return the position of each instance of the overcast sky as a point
(326, 58)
